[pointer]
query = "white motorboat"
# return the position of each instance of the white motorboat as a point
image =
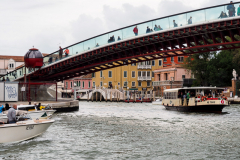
(23, 130)
(33, 112)
(157, 102)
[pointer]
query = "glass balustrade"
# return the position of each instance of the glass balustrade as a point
(157, 25)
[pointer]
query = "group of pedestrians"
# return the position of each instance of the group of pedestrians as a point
(5, 80)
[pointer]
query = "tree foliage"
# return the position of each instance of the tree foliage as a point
(213, 68)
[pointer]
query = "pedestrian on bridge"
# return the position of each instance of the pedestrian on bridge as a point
(174, 23)
(60, 52)
(135, 31)
(66, 52)
(190, 20)
(231, 9)
(238, 11)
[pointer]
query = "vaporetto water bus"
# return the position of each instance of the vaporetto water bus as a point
(202, 99)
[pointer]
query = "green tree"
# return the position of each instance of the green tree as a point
(213, 68)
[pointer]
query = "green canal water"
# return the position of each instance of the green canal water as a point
(133, 131)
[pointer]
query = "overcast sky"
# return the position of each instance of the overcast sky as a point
(46, 24)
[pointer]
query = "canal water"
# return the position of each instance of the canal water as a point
(133, 131)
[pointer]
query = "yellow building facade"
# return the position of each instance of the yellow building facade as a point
(137, 76)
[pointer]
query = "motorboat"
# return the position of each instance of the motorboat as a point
(33, 112)
(202, 99)
(23, 130)
(157, 102)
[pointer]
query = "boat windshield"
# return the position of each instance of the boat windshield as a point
(27, 108)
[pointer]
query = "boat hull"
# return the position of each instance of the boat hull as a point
(36, 114)
(199, 108)
(21, 132)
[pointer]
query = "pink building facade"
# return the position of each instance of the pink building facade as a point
(82, 82)
(170, 77)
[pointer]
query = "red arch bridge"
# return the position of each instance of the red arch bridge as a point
(186, 33)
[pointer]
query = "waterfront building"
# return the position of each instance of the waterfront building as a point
(10, 63)
(172, 75)
(136, 76)
(83, 83)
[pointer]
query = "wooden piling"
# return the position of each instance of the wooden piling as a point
(135, 96)
(111, 95)
(106, 95)
(92, 96)
(88, 96)
(153, 95)
(96, 96)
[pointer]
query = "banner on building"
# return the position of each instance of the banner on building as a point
(11, 92)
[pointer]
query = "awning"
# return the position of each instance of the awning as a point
(67, 91)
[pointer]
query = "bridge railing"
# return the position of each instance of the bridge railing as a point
(153, 26)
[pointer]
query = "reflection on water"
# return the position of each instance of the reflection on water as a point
(133, 131)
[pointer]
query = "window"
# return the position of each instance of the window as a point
(160, 63)
(139, 84)
(183, 76)
(83, 84)
(20, 73)
(148, 62)
(165, 59)
(89, 84)
(148, 83)
(180, 59)
(172, 59)
(133, 84)
(125, 84)
(170, 95)
(125, 74)
(109, 83)
(71, 84)
(153, 63)
(119, 83)
(110, 74)
(79, 83)
(101, 74)
(139, 74)
(133, 74)
(148, 74)
(101, 84)
(66, 85)
(152, 74)
(93, 75)
(133, 64)
(93, 83)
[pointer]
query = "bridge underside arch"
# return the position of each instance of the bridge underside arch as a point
(212, 36)
(97, 96)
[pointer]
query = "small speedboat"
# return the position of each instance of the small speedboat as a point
(33, 112)
(23, 130)
(157, 102)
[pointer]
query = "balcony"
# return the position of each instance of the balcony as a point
(144, 66)
(3, 71)
(167, 83)
(149, 78)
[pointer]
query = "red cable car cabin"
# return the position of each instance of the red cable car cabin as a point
(33, 58)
